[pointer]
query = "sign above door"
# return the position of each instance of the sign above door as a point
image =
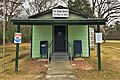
(60, 13)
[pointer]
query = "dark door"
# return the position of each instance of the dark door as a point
(60, 38)
(77, 47)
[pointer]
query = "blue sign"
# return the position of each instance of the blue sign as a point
(17, 39)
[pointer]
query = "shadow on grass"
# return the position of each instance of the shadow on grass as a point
(5, 56)
(20, 57)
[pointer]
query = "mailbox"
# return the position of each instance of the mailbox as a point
(77, 45)
(44, 49)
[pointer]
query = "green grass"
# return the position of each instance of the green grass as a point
(110, 56)
(24, 73)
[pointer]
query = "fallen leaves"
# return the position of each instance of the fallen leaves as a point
(81, 64)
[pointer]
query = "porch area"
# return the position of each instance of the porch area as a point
(43, 22)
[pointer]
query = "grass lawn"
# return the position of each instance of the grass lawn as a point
(29, 69)
(35, 69)
(110, 55)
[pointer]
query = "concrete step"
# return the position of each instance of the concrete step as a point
(59, 59)
(60, 53)
(60, 56)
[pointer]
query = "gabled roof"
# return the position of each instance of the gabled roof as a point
(32, 20)
(58, 7)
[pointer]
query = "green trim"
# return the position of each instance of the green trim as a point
(31, 38)
(89, 40)
(53, 38)
(97, 21)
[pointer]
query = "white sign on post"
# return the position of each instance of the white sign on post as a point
(17, 37)
(98, 37)
(60, 12)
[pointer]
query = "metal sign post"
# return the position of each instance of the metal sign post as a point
(17, 51)
(98, 49)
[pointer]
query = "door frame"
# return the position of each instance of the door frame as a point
(53, 36)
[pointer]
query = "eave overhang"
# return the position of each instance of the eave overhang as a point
(91, 21)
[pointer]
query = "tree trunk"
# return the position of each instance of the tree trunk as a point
(104, 38)
(118, 35)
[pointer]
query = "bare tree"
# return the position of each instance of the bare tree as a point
(23, 9)
(117, 27)
(12, 9)
(37, 6)
(81, 6)
(109, 9)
